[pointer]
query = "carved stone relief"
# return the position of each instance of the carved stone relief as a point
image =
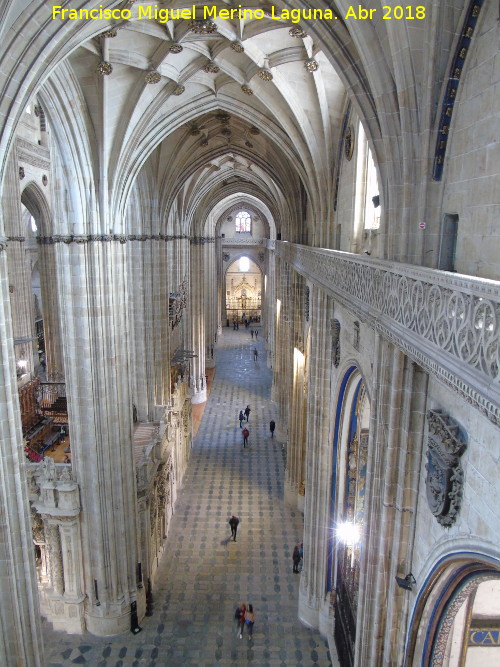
(335, 331)
(444, 481)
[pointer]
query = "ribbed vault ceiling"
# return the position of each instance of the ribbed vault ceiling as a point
(250, 102)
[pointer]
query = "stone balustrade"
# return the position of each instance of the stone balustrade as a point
(243, 240)
(448, 323)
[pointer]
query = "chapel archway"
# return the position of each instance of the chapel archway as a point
(243, 285)
(347, 507)
(456, 620)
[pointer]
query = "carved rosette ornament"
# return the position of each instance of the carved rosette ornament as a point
(109, 33)
(247, 90)
(104, 68)
(444, 481)
(176, 48)
(265, 75)
(311, 65)
(178, 90)
(153, 77)
(21, 173)
(203, 27)
(211, 68)
(297, 32)
(223, 118)
(236, 46)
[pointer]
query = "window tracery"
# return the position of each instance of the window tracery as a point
(243, 222)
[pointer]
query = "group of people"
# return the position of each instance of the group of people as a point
(244, 416)
(245, 616)
(254, 332)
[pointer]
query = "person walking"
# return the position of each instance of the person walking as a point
(272, 426)
(251, 332)
(241, 417)
(239, 615)
(245, 433)
(233, 522)
(255, 355)
(296, 559)
(256, 333)
(247, 412)
(249, 620)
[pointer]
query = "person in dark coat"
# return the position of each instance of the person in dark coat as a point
(272, 426)
(241, 417)
(296, 559)
(233, 522)
(247, 412)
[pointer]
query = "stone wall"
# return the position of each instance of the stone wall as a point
(472, 166)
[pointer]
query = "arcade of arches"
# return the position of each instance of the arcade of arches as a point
(333, 180)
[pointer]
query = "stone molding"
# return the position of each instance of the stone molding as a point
(447, 323)
(36, 156)
(201, 240)
(103, 238)
(439, 650)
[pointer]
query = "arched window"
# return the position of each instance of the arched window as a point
(243, 222)
(367, 213)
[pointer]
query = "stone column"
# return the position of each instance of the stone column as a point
(221, 287)
(160, 332)
(19, 272)
(282, 379)
(393, 468)
(53, 546)
(318, 465)
(148, 320)
(94, 297)
(296, 372)
(197, 319)
(20, 629)
(210, 299)
(269, 308)
(51, 312)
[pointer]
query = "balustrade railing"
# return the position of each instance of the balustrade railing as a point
(446, 322)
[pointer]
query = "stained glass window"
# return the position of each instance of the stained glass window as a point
(243, 222)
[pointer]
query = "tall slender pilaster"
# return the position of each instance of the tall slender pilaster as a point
(394, 464)
(197, 318)
(20, 629)
(94, 297)
(318, 464)
(19, 273)
(269, 307)
(210, 299)
(51, 312)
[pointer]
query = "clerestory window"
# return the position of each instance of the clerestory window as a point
(243, 222)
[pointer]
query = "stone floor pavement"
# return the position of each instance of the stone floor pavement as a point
(203, 576)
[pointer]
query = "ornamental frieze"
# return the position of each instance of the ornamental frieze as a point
(100, 238)
(444, 480)
(36, 156)
(235, 240)
(447, 322)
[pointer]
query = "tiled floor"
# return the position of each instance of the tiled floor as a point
(203, 576)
